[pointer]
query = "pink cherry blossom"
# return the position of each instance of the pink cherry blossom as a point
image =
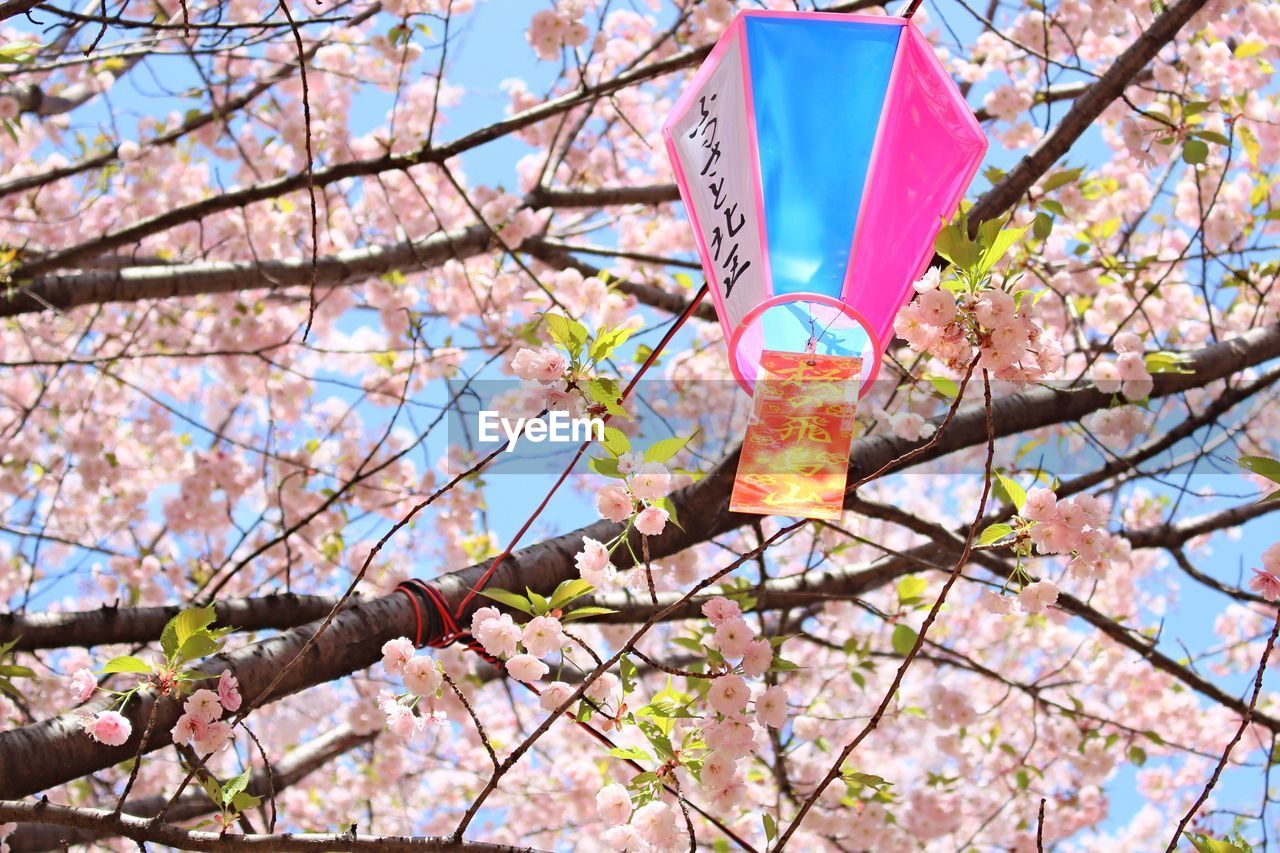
(229, 691)
(526, 668)
(498, 635)
(729, 694)
(593, 562)
(651, 481)
(553, 695)
(396, 653)
(1271, 559)
(542, 636)
(204, 705)
(651, 521)
(614, 503)
(613, 804)
(757, 659)
(720, 610)
(422, 676)
(108, 727)
(1036, 597)
(215, 738)
(733, 637)
(83, 684)
(771, 707)
(189, 729)
(1266, 585)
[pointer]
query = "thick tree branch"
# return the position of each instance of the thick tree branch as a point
(288, 770)
(109, 624)
(141, 831)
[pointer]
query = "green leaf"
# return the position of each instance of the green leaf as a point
(953, 243)
(511, 599)
(13, 670)
(244, 801)
(569, 590)
(189, 622)
(683, 279)
(1166, 362)
(605, 391)
(1212, 136)
(629, 674)
(1195, 151)
(1262, 466)
(1137, 755)
(1000, 245)
(1010, 491)
(198, 646)
(868, 780)
(1205, 844)
(904, 639)
(948, 388)
(770, 828)
(606, 468)
(911, 588)
(633, 753)
(1061, 179)
(1251, 144)
(540, 604)
(662, 451)
(234, 786)
(1246, 49)
(1042, 227)
(126, 663)
(570, 335)
(606, 342)
(583, 612)
(994, 534)
(616, 441)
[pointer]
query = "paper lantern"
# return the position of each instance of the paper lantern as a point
(818, 155)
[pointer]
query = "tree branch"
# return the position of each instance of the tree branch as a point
(54, 751)
(141, 830)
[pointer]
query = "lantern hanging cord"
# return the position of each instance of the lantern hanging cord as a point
(911, 9)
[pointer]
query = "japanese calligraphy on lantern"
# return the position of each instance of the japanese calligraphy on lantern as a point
(708, 138)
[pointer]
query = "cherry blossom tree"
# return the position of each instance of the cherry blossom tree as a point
(259, 594)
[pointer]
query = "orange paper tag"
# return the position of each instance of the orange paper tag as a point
(795, 456)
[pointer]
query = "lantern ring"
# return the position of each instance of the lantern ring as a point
(735, 339)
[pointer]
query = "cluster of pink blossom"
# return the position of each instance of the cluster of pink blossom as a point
(539, 365)
(201, 724)
(523, 648)
(1119, 424)
(643, 484)
(1075, 526)
(907, 425)
(1002, 326)
(1128, 374)
(1266, 582)
(1033, 598)
(731, 736)
(655, 826)
(107, 727)
(552, 29)
(422, 678)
